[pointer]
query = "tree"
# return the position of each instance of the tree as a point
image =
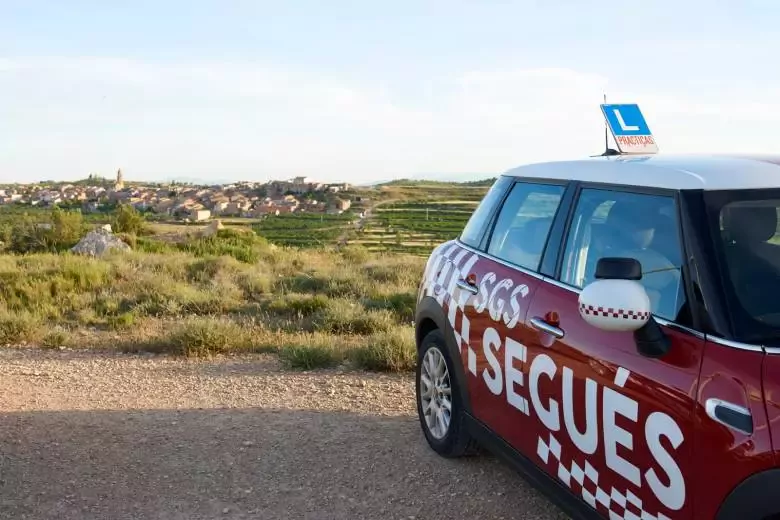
(128, 220)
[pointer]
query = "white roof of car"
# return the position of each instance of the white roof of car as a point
(676, 172)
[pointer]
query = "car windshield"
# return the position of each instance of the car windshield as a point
(748, 244)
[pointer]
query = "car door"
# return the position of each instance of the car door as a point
(614, 426)
(502, 278)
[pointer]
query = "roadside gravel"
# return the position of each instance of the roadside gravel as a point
(105, 435)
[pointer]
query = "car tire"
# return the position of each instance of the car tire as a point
(452, 441)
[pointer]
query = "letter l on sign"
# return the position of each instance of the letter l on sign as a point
(623, 125)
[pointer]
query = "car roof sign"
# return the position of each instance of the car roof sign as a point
(630, 130)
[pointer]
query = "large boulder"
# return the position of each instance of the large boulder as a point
(98, 242)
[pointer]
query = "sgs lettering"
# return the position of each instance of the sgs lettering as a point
(496, 297)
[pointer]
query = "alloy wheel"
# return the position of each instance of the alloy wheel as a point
(436, 393)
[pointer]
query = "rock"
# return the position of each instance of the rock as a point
(98, 242)
(212, 228)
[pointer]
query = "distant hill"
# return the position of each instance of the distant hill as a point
(424, 182)
(477, 179)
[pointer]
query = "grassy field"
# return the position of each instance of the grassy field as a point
(314, 307)
(277, 284)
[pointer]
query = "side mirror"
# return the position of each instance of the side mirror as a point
(617, 302)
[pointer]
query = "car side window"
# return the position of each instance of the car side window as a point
(524, 223)
(474, 230)
(635, 225)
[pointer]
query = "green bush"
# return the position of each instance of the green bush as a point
(347, 317)
(299, 304)
(204, 337)
(388, 351)
(356, 254)
(308, 357)
(55, 339)
(18, 328)
(128, 220)
(59, 231)
(402, 305)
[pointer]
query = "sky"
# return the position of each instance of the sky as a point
(363, 91)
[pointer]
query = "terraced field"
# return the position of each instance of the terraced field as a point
(423, 217)
(305, 229)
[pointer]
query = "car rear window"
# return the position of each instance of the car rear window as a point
(522, 227)
(476, 226)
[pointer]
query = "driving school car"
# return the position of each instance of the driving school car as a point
(611, 327)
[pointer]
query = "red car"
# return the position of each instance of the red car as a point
(611, 327)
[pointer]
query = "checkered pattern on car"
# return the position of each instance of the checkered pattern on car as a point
(448, 265)
(584, 478)
(615, 313)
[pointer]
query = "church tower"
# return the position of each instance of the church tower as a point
(120, 182)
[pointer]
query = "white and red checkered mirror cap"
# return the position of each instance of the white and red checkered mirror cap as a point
(615, 305)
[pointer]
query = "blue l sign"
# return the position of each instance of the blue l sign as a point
(625, 120)
(629, 128)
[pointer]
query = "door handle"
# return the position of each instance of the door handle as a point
(734, 416)
(540, 324)
(466, 286)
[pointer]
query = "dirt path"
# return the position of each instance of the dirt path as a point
(86, 435)
(368, 215)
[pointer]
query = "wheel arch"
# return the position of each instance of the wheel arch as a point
(430, 316)
(752, 498)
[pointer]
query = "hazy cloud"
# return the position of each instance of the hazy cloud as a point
(72, 116)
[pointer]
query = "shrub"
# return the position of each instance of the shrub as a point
(206, 269)
(356, 254)
(123, 320)
(254, 283)
(198, 337)
(311, 351)
(298, 304)
(387, 351)
(346, 317)
(55, 339)
(18, 328)
(307, 357)
(401, 304)
(128, 220)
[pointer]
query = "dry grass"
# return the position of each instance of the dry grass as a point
(210, 297)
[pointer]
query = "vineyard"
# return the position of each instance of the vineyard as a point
(420, 218)
(305, 229)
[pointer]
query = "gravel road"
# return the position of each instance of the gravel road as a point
(99, 435)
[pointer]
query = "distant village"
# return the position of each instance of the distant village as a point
(187, 202)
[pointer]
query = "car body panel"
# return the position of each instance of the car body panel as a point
(726, 457)
(494, 357)
(627, 418)
(771, 388)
